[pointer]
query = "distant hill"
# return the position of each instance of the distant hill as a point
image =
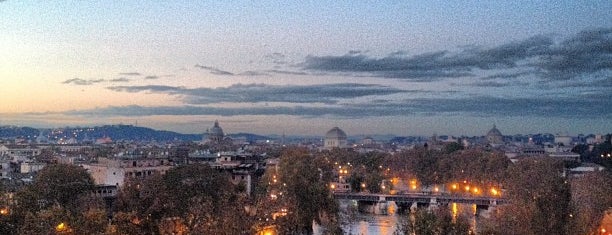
(14, 132)
(115, 132)
(249, 137)
(130, 132)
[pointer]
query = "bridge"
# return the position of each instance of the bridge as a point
(377, 203)
(425, 198)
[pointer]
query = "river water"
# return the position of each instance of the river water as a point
(358, 223)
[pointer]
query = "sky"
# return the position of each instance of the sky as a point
(301, 68)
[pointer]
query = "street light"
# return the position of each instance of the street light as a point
(61, 227)
(494, 192)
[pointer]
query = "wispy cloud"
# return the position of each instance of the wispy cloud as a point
(119, 80)
(252, 93)
(82, 82)
(596, 105)
(276, 58)
(214, 70)
(587, 53)
(151, 77)
(286, 72)
(130, 74)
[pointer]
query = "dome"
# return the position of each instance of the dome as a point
(494, 136)
(216, 130)
(494, 132)
(336, 133)
(335, 138)
(215, 134)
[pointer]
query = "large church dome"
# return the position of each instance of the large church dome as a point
(335, 138)
(335, 133)
(215, 134)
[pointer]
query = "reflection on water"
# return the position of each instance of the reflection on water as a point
(373, 224)
(364, 223)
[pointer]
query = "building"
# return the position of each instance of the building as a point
(494, 137)
(114, 171)
(19, 150)
(335, 138)
(214, 134)
(31, 167)
(563, 140)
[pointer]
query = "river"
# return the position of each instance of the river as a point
(358, 223)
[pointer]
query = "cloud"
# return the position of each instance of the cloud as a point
(586, 53)
(595, 105)
(130, 74)
(505, 75)
(119, 80)
(150, 88)
(151, 77)
(286, 72)
(214, 70)
(276, 58)
(253, 93)
(82, 82)
(253, 73)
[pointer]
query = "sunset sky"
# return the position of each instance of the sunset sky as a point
(273, 67)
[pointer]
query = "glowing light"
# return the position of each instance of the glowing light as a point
(363, 185)
(494, 192)
(467, 188)
(333, 186)
(454, 186)
(4, 211)
(436, 189)
(61, 227)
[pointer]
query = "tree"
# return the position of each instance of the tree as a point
(60, 193)
(306, 196)
(436, 222)
(452, 147)
(539, 199)
(205, 200)
(590, 198)
(139, 207)
(189, 199)
(63, 184)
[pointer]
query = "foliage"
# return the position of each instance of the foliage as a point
(590, 197)
(59, 194)
(452, 147)
(301, 192)
(436, 222)
(539, 199)
(193, 199)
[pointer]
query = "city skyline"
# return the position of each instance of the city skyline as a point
(402, 68)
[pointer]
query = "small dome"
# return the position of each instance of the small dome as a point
(494, 132)
(494, 136)
(335, 133)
